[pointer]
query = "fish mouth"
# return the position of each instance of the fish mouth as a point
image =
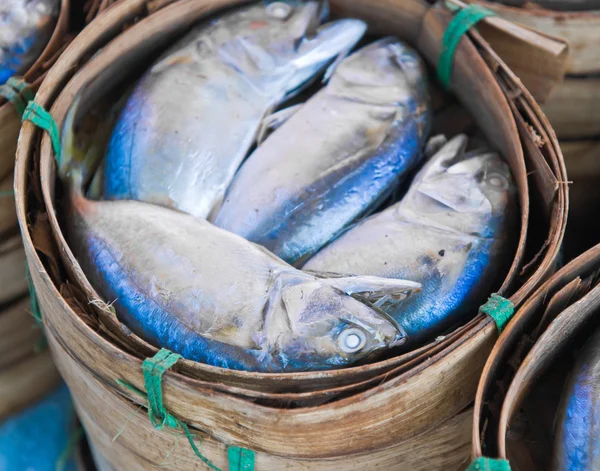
(399, 340)
(400, 335)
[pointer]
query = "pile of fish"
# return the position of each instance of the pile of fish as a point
(25, 29)
(251, 218)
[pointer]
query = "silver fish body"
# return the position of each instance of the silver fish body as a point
(337, 157)
(195, 114)
(181, 283)
(452, 232)
(577, 446)
(26, 26)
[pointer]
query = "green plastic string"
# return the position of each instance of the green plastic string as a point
(500, 309)
(464, 20)
(67, 453)
(18, 92)
(7, 193)
(153, 369)
(13, 97)
(240, 459)
(489, 464)
(21, 86)
(44, 120)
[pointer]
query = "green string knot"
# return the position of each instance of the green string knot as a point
(18, 92)
(153, 369)
(500, 309)
(489, 464)
(464, 20)
(42, 119)
(19, 84)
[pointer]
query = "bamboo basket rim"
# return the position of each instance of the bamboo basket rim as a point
(583, 263)
(67, 93)
(242, 373)
(472, 337)
(117, 447)
(521, 384)
(541, 12)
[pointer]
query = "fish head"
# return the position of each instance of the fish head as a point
(385, 72)
(473, 191)
(285, 41)
(327, 327)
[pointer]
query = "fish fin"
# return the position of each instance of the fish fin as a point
(274, 121)
(373, 288)
(434, 144)
(455, 147)
(336, 63)
(333, 67)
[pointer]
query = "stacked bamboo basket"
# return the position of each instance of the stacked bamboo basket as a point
(573, 107)
(27, 372)
(409, 412)
(26, 369)
(531, 360)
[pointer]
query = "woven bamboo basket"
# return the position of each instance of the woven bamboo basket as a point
(572, 109)
(10, 121)
(532, 360)
(402, 405)
(27, 372)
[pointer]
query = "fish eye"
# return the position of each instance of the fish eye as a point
(497, 180)
(352, 340)
(279, 10)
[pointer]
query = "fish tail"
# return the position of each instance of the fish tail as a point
(70, 165)
(81, 160)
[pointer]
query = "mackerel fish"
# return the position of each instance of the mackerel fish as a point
(181, 283)
(337, 157)
(195, 115)
(452, 232)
